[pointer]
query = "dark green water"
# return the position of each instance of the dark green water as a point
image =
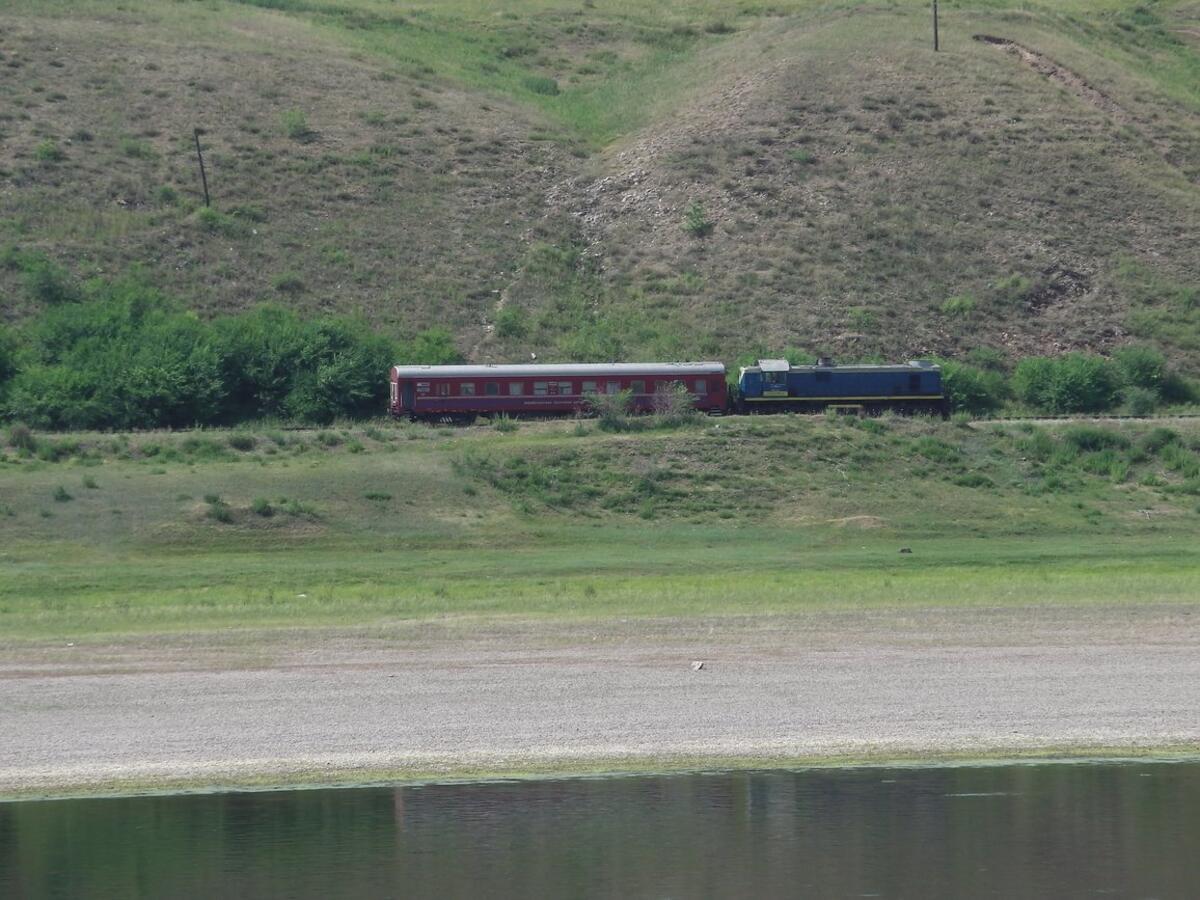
(1016, 831)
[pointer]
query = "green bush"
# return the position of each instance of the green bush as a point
(1090, 438)
(1153, 441)
(1140, 401)
(937, 450)
(136, 149)
(987, 358)
(242, 441)
(538, 84)
(1177, 389)
(47, 283)
(20, 437)
(510, 323)
(1076, 382)
(612, 410)
(219, 512)
(696, 223)
(216, 222)
(8, 356)
(48, 151)
(673, 407)
(295, 125)
(1142, 367)
(288, 283)
(972, 389)
(432, 347)
(261, 506)
(960, 306)
(61, 495)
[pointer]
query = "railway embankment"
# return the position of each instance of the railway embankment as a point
(288, 606)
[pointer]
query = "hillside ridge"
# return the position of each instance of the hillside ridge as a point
(611, 182)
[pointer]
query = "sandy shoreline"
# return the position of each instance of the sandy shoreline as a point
(470, 697)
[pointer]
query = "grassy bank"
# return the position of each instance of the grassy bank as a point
(593, 767)
(110, 534)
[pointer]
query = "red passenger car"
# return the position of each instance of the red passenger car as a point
(460, 393)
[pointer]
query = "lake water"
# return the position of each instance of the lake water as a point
(1064, 830)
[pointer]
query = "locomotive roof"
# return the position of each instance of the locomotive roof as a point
(919, 365)
(567, 369)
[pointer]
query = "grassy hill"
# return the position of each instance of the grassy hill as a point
(609, 179)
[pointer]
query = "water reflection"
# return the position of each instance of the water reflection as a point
(1020, 831)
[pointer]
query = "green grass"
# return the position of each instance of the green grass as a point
(732, 517)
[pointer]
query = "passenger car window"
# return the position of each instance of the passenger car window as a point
(466, 389)
(516, 388)
(613, 387)
(540, 388)
(701, 386)
(638, 387)
(589, 387)
(443, 389)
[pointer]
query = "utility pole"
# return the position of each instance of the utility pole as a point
(200, 158)
(936, 47)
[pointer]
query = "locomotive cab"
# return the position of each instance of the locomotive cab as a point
(774, 377)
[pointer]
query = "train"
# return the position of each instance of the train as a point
(460, 394)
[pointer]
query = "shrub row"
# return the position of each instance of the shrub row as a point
(121, 355)
(1136, 379)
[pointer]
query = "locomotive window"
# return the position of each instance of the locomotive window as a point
(589, 387)
(914, 383)
(516, 388)
(466, 389)
(613, 387)
(491, 389)
(638, 387)
(701, 386)
(539, 388)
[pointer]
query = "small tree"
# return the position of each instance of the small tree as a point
(612, 410)
(673, 406)
(696, 223)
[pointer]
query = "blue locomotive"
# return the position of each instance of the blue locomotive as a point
(775, 385)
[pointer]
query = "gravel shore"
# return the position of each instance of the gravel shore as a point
(455, 696)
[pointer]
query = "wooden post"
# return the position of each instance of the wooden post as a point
(200, 158)
(936, 46)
